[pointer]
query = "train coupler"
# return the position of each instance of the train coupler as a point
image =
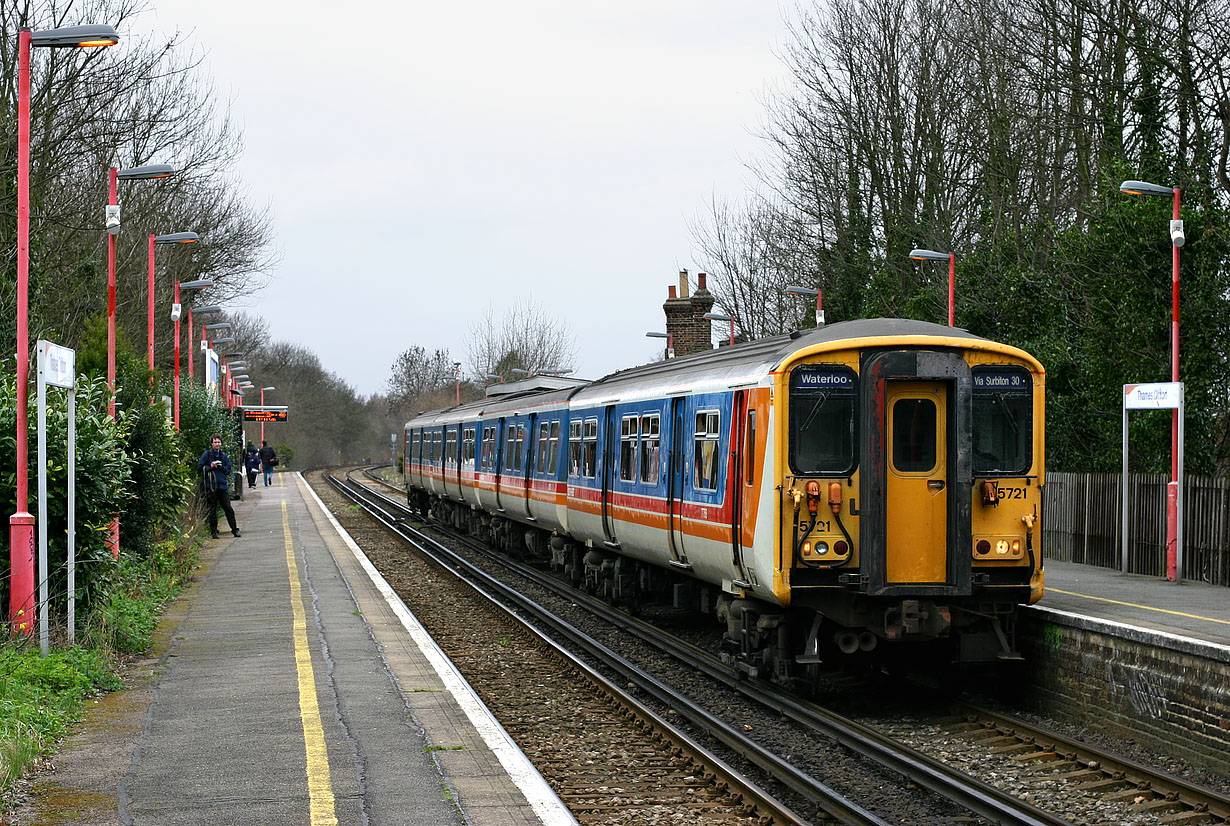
(916, 618)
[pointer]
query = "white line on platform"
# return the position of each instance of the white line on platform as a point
(541, 797)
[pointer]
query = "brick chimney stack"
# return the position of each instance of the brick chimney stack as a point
(685, 321)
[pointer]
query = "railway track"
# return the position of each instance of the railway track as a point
(673, 770)
(970, 794)
(1049, 755)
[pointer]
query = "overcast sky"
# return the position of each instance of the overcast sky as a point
(423, 161)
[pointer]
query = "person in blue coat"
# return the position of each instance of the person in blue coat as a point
(252, 465)
(215, 469)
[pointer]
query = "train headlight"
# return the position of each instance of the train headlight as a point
(1001, 546)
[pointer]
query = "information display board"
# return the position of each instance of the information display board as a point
(259, 414)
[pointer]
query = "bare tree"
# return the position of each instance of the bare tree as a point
(526, 338)
(421, 381)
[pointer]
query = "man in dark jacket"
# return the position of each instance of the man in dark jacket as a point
(269, 458)
(215, 469)
(252, 464)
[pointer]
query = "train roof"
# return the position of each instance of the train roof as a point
(744, 364)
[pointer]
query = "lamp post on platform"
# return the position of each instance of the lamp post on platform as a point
(138, 173)
(21, 523)
(1177, 239)
(176, 310)
(155, 240)
(931, 255)
(210, 309)
(819, 294)
(263, 389)
(670, 341)
(720, 317)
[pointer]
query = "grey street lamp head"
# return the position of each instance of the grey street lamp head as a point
(716, 317)
(520, 372)
(71, 37)
(199, 284)
(1145, 188)
(656, 334)
(219, 325)
(928, 255)
(796, 290)
(208, 309)
(270, 387)
(145, 173)
(224, 341)
(237, 355)
(177, 238)
(241, 364)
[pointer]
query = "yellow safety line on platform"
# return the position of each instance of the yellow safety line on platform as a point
(320, 788)
(1142, 607)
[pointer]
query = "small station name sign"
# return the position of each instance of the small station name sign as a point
(1167, 395)
(269, 413)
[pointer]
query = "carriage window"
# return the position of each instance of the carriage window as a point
(552, 465)
(414, 446)
(1003, 420)
(467, 447)
(450, 448)
(542, 466)
(822, 419)
(589, 451)
(489, 455)
(914, 444)
(650, 440)
(705, 466)
(436, 453)
(574, 449)
(513, 449)
(627, 449)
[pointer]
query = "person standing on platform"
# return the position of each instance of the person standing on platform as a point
(269, 458)
(252, 464)
(215, 469)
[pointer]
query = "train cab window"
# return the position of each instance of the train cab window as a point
(1002, 420)
(822, 419)
(627, 448)
(589, 449)
(651, 440)
(914, 447)
(574, 449)
(705, 466)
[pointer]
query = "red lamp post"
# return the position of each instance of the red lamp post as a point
(819, 294)
(670, 341)
(200, 284)
(154, 240)
(139, 173)
(207, 310)
(263, 389)
(930, 255)
(1177, 239)
(720, 317)
(21, 523)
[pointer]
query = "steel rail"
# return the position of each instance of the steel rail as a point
(967, 791)
(803, 784)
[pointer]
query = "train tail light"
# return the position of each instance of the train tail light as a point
(835, 497)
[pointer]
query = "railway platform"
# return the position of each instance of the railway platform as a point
(1192, 610)
(291, 686)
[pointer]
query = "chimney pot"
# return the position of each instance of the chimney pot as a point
(671, 294)
(683, 283)
(700, 281)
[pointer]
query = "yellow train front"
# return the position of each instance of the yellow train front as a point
(911, 461)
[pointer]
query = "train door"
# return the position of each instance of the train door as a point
(916, 483)
(677, 459)
(499, 460)
(738, 438)
(529, 449)
(609, 441)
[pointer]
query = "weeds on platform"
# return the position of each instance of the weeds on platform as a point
(40, 697)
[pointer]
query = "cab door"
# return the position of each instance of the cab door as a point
(917, 483)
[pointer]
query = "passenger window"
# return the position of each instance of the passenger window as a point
(627, 449)
(914, 438)
(749, 450)
(552, 466)
(650, 456)
(542, 466)
(574, 449)
(705, 458)
(589, 452)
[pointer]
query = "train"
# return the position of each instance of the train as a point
(857, 492)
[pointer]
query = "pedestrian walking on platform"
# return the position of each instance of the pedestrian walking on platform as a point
(252, 464)
(215, 469)
(269, 458)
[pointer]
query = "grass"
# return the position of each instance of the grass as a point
(40, 697)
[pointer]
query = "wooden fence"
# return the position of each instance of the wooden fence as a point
(1081, 522)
